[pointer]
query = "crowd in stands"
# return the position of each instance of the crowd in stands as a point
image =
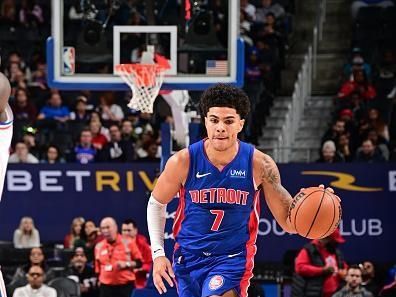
(363, 128)
(53, 126)
(77, 265)
(321, 269)
(265, 26)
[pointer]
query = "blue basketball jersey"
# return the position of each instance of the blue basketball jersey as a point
(218, 211)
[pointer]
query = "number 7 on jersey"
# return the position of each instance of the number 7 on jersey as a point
(217, 221)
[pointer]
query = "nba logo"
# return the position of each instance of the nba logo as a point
(69, 65)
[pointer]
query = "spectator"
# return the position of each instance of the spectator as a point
(378, 124)
(74, 234)
(83, 274)
(357, 4)
(249, 9)
(31, 14)
(95, 117)
(90, 236)
(115, 259)
(357, 62)
(379, 142)
(266, 7)
(80, 114)
(146, 139)
(369, 153)
(117, 150)
(29, 138)
(8, 15)
(358, 84)
(26, 236)
(85, 152)
(335, 131)
(110, 111)
(368, 278)
(52, 155)
(98, 139)
(127, 132)
(320, 267)
(129, 229)
(151, 152)
(35, 286)
(22, 108)
(329, 153)
(22, 154)
(347, 116)
(244, 28)
(17, 77)
(54, 110)
(363, 131)
(36, 258)
(353, 286)
(39, 76)
(344, 147)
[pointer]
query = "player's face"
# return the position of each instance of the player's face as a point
(223, 125)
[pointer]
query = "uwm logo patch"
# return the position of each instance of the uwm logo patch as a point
(238, 173)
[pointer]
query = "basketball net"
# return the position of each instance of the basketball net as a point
(145, 79)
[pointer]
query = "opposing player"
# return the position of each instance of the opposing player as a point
(6, 119)
(219, 180)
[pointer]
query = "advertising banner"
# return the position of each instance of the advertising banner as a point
(54, 194)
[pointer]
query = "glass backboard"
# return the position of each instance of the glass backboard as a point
(199, 38)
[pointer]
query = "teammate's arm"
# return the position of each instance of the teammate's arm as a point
(5, 91)
(168, 184)
(277, 197)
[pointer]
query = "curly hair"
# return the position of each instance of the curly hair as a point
(223, 95)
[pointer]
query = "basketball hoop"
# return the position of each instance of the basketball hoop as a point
(145, 81)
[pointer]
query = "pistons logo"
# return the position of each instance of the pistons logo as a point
(216, 282)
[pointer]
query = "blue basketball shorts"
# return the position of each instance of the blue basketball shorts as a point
(199, 275)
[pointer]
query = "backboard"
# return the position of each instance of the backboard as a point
(198, 37)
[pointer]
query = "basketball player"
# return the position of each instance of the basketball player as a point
(6, 119)
(219, 180)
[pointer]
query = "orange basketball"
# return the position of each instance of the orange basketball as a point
(315, 213)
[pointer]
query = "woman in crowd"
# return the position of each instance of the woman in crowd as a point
(26, 236)
(75, 232)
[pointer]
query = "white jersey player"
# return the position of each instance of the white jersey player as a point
(6, 119)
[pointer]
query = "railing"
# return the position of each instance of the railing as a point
(302, 91)
(318, 32)
(305, 154)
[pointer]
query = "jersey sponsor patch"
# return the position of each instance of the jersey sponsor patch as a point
(238, 173)
(216, 282)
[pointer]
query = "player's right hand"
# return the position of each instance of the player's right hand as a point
(162, 270)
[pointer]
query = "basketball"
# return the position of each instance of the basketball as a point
(315, 213)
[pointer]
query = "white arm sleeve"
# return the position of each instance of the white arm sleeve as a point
(156, 218)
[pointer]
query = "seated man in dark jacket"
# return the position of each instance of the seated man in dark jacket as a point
(83, 274)
(353, 287)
